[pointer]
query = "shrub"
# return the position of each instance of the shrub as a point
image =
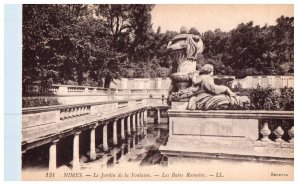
(268, 98)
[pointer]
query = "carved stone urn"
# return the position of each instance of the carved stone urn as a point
(183, 50)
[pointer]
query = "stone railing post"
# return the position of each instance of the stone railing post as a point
(62, 90)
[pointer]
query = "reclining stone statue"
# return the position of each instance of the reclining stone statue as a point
(204, 94)
(197, 87)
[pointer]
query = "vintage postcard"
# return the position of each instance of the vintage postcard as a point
(157, 92)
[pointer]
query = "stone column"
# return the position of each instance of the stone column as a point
(104, 137)
(115, 137)
(142, 118)
(146, 116)
(52, 156)
(93, 144)
(133, 123)
(128, 126)
(76, 151)
(158, 116)
(122, 129)
(138, 120)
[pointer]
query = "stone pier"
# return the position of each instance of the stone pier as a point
(104, 137)
(133, 123)
(115, 136)
(158, 116)
(52, 156)
(76, 155)
(138, 120)
(142, 118)
(93, 144)
(128, 125)
(122, 129)
(146, 116)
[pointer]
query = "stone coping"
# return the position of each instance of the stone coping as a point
(245, 114)
(58, 107)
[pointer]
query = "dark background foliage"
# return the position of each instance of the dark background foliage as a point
(83, 44)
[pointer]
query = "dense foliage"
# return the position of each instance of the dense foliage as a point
(269, 98)
(83, 44)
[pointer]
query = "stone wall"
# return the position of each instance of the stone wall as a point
(276, 82)
(141, 83)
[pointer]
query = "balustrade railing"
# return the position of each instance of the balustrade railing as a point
(281, 132)
(71, 90)
(38, 122)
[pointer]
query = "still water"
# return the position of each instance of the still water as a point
(138, 149)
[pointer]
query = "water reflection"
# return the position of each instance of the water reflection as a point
(140, 148)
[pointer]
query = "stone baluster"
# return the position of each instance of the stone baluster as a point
(128, 126)
(84, 110)
(291, 134)
(265, 131)
(76, 151)
(79, 111)
(93, 144)
(72, 112)
(122, 129)
(104, 137)
(115, 138)
(278, 132)
(67, 114)
(52, 156)
(62, 114)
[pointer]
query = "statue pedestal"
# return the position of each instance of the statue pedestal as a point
(218, 133)
(179, 105)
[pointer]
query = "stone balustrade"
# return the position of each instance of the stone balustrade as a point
(71, 90)
(50, 125)
(240, 133)
(44, 122)
(36, 96)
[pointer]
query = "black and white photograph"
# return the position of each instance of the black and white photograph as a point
(168, 92)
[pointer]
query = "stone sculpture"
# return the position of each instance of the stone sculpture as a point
(183, 50)
(197, 87)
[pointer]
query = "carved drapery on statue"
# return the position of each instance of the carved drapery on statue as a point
(206, 101)
(183, 50)
(197, 87)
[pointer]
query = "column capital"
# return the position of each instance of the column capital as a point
(77, 133)
(55, 141)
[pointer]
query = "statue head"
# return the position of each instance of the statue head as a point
(207, 69)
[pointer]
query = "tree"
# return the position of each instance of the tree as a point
(194, 31)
